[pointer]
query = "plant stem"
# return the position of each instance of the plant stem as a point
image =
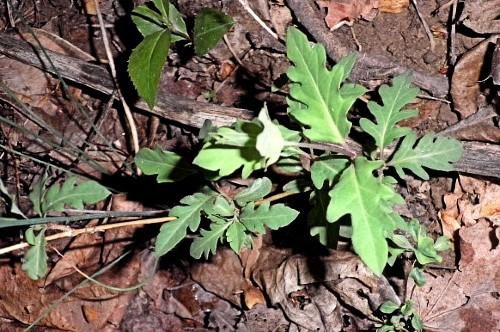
(342, 149)
(275, 197)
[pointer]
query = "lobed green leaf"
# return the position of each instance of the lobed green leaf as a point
(368, 200)
(188, 215)
(327, 168)
(394, 98)
(207, 242)
(167, 165)
(73, 194)
(274, 217)
(431, 151)
(319, 99)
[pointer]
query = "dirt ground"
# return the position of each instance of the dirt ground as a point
(288, 282)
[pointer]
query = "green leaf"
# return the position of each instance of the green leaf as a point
(167, 165)
(386, 328)
(425, 251)
(290, 165)
(210, 25)
(35, 259)
(393, 255)
(299, 185)
(270, 141)
(236, 236)
(146, 63)
(229, 149)
(147, 20)
(327, 168)
(320, 100)
(188, 215)
(368, 200)
(257, 190)
(221, 207)
(178, 24)
(163, 6)
(442, 243)
(401, 241)
(408, 308)
(417, 323)
(73, 194)
(274, 217)
(36, 195)
(208, 240)
(431, 151)
(394, 98)
(389, 307)
(418, 276)
(11, 201)
(328, 233)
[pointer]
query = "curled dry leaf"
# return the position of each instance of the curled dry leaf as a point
(307, 288)
(472, 201)
(342, 12)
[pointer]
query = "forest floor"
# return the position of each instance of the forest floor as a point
(287, 281)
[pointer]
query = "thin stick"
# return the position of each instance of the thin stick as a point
(426, 27)
(90, 230)
(250, 11)
(452, 55)
(126, 108)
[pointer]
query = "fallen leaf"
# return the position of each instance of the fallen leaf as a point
(466, 79)
(481, 16)
(465, 299)
(393, 6)
(342, 12)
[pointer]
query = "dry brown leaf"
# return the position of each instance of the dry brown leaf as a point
(222, 275)
(91, 308)
(281, 18)
(318, 283)
(450, 216)
(342, 12)
(464, 300)
(465, 83)
(393, 6)
(88, 250)
(481, 16)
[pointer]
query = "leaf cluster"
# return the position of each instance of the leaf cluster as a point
(235, 221)
(161, 26)
(55, 198)
(400, 318)
(416, 241)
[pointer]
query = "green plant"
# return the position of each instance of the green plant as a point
(424, 248)
(161, 28)
(400, 318)
(342, 181)
(55, 198)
